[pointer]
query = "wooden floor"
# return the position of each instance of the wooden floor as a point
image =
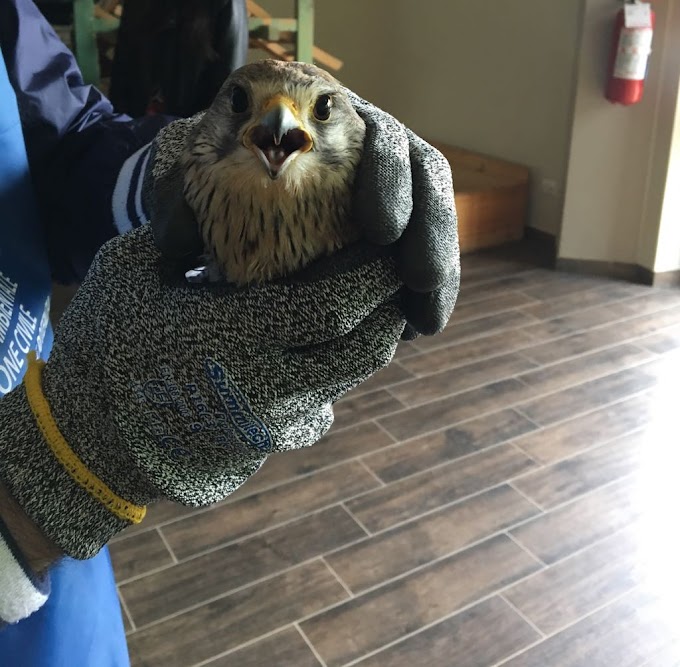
(504, 494)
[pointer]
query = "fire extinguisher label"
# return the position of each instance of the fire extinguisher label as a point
(635, 46)
(638, 15)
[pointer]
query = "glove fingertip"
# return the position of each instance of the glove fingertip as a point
(383, 192)
(382, 221)
(429, 313)
(423, 277)
(409, 333)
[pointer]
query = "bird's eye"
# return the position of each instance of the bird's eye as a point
(239, 100)
(322, 108)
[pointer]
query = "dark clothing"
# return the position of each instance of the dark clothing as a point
(71, 132)
(173, 56)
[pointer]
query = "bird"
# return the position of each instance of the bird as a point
(269, 171)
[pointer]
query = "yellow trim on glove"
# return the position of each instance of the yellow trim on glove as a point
(65, 455)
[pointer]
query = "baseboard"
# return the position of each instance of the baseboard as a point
(543, 243)
(665, 278)
(633, 273)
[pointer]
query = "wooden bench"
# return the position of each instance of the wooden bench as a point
(492, 198)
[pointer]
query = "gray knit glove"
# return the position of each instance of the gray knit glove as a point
(403, 197)
(159, 388)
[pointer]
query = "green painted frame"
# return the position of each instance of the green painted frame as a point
(302, 26)
(85, 29)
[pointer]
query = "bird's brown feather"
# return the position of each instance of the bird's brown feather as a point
(255, 228)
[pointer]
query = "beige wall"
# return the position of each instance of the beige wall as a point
(619, 156)
(525, 81)
(490, 75)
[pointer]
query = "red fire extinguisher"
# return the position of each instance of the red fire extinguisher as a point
(631, 48)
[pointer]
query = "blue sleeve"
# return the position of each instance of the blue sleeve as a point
(52, 98)
(76, 143)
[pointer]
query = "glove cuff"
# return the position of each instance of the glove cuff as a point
(71, 505)
(22, 592)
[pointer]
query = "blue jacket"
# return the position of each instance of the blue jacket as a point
(63, 150)
(71, 132)
(55, 132)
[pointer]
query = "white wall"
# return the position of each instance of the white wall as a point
(619, 155)
(668, 244)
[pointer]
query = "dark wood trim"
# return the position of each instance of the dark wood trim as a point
(543, 242)
(633, 273)
(616, 270)
(666, 279)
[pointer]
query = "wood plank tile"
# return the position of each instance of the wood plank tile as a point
(668, 656)
(580, 320)
(453, 409)
(354, 409)
(605, 336)
(537, 283)
(660, 343)
(415, 495)
(581, 523)
(509, 301)
(621, 635)
(333, 448)
(650, 301)
(570, 478)
(194, 581)
(365, 564)
(573, 588)
(156, 515)
(459, 331)
(389, 375)
(496, 287)
(568, 438)
(561, 284)
(467, 352)
(127, 626)
(480, 636)
(568, 373)
(368, 622)
(405, 349)
(586, 330)
(284, 649)
(482, 267)
(599, 296)
(628, 306)
(425, 389)
(235, 619)
(666, 368)
(132, 557)
(588, 396)
(607, 314)
(551, 350)
(268, 508)
(430, 450)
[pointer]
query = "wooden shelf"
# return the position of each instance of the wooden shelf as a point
(288, 38)
(492, 198)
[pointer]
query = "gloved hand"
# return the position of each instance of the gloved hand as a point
(158, 388)
(403, 196)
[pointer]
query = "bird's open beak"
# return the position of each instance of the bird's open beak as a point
(277, 137)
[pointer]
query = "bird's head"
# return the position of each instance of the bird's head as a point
(283, 123)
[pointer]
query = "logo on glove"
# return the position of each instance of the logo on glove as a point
(250, 429)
